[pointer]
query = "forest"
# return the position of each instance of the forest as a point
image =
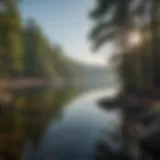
(25, 50)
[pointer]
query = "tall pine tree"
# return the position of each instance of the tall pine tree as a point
(10, 39)
(113, 21)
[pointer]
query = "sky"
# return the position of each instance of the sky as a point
(65, 22)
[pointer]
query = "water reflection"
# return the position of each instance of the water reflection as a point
(56, 124)
(76, 133)
(27, 122)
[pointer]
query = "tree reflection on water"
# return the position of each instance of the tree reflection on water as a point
(34, 108)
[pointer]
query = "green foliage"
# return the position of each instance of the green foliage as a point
(113, 21)
(41, 58)
(109, 17)
(10, 40)
(27, 51)
(33, 46)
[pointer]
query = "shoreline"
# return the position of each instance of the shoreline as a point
(19, 83)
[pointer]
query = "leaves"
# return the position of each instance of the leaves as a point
(108, 17)
(112, 20)
(103, 7)
(103, 39)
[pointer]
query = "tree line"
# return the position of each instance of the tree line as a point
(25, 51)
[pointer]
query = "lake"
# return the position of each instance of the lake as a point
(60, 124)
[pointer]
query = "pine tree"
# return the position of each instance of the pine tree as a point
(114, 20)
(10, 39)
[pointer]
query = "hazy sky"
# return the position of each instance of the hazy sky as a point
(65, 22)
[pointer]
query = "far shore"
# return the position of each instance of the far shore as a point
(16, 83)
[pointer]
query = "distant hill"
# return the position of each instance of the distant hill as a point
(97, 77)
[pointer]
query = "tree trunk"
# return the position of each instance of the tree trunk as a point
(155, 44)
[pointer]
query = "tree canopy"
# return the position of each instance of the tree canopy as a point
(26, 51)
(116, 20)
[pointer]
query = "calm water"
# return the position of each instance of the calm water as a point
(62, 124)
